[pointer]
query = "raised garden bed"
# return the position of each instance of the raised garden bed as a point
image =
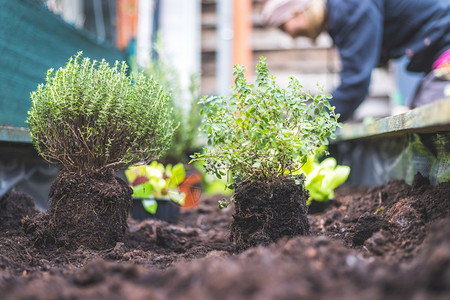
(386, 242)
(398, 147)
(391, 241)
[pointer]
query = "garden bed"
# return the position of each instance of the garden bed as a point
(385, 242)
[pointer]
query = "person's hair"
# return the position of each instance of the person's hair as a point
(276, 12)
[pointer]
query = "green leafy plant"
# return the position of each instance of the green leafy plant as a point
(185, 138)
(90, 116)
(94, 119)
(263, 131)
(211, 185)
(322, 178)
(154, 181)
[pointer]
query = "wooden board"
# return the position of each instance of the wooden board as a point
(434, 117)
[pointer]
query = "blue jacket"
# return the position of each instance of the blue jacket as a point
(368, 33)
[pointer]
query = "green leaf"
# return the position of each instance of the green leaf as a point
(177, 175)
(150, 205)
(143, 190)
(337, 177)
(177, 197)
(257, 164)
(324, 178)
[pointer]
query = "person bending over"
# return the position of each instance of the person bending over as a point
(367, 33)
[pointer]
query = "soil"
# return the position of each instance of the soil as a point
(266, 211)
(87, 209)
(385, 242)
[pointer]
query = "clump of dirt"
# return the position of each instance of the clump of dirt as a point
(88, 209)
(13, 207)
(386, 242)
(389, 220)
(266, 211)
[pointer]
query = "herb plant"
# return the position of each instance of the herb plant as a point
(89, 116)
(263, 131)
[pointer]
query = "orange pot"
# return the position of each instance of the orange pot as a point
(192, 188)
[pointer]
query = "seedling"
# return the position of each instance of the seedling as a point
(262, 131)
(154, 181)
(322, 178)
(260, 137)
(93, 119)
(89, 116)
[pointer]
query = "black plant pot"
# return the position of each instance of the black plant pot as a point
(167, 210)
(317, 207)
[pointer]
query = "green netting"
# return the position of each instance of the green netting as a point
(32, 40)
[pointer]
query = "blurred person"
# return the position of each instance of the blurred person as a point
(367, 33)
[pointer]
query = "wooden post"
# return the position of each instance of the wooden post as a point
(242, 48)
(127, 16)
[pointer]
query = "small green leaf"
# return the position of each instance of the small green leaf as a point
(150, 205)
(256, 165)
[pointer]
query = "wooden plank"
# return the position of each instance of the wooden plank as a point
(434, 117)
(14, 134)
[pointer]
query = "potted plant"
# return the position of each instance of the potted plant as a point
(93, 119)
(156, 190)
(259, 136)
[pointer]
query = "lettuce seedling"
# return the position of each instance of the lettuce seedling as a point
(154, 181)
(323, 177)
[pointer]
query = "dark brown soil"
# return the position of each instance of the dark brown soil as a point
(386, 242)
(85, 210)
(266, 211)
